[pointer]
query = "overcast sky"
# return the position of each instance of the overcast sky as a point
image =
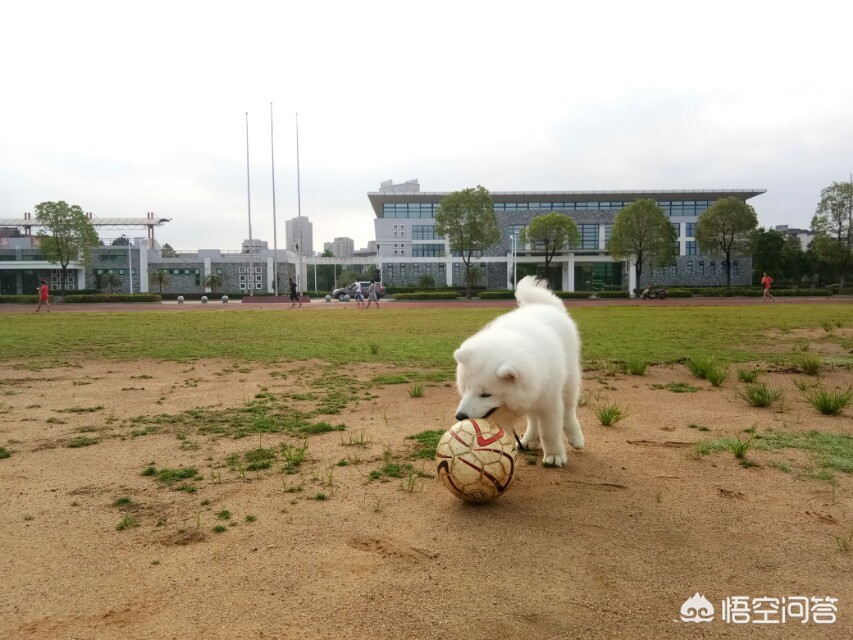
(125, 108)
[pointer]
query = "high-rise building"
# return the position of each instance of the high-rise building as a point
(300, 235)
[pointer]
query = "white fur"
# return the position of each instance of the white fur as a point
(526, 363)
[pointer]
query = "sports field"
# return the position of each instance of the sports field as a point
(267, 473)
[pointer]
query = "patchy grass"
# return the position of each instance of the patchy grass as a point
(609, 414)
(748, 375)
(4, 453)
(82, 441)
(676, 387)
(830, 403)
(426, 441)
(760, 395)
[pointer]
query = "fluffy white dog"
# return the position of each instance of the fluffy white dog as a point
(526, 363)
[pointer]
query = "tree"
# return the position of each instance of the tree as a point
(766, 246)
(69, 235)
(110, 280)
(214, 280)
(834, 218)
(554, 231)
(641, 233)
(122, 241)
(726, 228)
(160, 277)
(167, 251)
(467, 219)
(426, 281)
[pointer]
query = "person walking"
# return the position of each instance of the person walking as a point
(767, 281)
(44, 294)
(359, 297)
(294, 297)
(371, 295)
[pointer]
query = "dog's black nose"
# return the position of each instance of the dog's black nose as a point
(461, 416)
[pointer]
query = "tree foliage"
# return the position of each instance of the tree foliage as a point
(555, 232)
(167, 251)
(68, 235)
(726, 228)
(214, 280)
(642, 233)
(160, 277)
(833, 219)
(467, 219)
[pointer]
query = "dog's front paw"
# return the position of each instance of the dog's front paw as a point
(529, 443)
(554, 460)
(577, 441)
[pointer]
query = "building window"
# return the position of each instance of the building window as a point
(243, 284)
(259, 286)
(735, 268)
(428, 250)
(242, 269)
(589, 236)
(690, 229)
(690, 267)
(701, 267)
(242, 278)
(690, 248)
(258, 270)
(424, 232)
(677, 227)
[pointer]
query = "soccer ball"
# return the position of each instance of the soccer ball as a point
(475, 460)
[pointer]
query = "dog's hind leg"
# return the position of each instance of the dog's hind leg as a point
(571, 426)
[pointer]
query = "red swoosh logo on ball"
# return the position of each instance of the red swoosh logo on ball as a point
(486, 441)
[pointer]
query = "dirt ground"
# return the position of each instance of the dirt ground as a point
(609, 546)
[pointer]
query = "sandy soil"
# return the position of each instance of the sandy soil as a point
(608, 547)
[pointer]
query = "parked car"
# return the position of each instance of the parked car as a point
(350, 290)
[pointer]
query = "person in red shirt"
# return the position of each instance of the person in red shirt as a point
(767, 281)
(44, 293)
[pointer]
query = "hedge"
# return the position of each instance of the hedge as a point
(757, 292)
(427, 295)
(15, 299)
(120, 297)
(500, 294)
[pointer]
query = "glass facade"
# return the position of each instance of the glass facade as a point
(598, 276)
(589, 236)
(691, 229)
(427, 250)
(690, 248)
(673, 209)
(424, 232)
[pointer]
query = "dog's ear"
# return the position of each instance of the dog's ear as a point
(507, 372)
(462, 355)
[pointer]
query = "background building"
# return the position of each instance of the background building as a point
(340, 247)
(299, 231)
(409, 247)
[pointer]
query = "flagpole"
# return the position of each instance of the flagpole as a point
(301, 246)
(274, 228)
(250, 279)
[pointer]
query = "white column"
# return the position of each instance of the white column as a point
(570, 280)
(602, 245)
(81, 278)
(509, 270)
(271, 274)
(142, 244)
(448, 269)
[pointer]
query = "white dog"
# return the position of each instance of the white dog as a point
(526, 363)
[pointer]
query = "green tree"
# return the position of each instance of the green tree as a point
(795, 265)
(642, 233)
(110, 280)
(160, 277)
(766, 246)
(214, 280)
(555, 232)
(167, 251)
(68, 235)
(467, 219)
(426, 281)
(833, 218)
(725, 228)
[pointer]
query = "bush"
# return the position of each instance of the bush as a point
(119, 297)
(573, 295)
(679, 293)
(613, 294)
(497, 295)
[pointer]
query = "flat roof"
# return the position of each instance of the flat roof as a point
(378, 198)
(97, 222)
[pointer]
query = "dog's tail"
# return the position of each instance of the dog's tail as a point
(531, 290)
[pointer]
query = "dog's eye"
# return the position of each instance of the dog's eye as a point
(485, 395)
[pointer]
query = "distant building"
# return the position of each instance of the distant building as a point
(409, 247)
(340, 247)
(257, 246)
(303, 235)
(803, 235)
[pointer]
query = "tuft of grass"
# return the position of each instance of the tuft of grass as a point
(739, 447)
(698, 427)
(171, 476)
(358, 439)
(416, 391)
(809, 364)
(706, 369)
(126, 523)
(82, 441)
(251, 518)
(224, 514)
(748, 375)
(760, 395)
(427, 441)
(676, 387)
(609, 414)
(319, 496)
(831, 403)
(827, 327)
(220, 528)
(636, 366)
(293, 456)
(124, 501)
(717, 375)
(4, 453)
(374, 348)
(149, 471)
(843, 542)
(804, 384)
(81, 409)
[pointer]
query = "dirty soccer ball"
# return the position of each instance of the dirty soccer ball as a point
(475, 459)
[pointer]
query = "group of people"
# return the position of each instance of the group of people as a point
(371, 295)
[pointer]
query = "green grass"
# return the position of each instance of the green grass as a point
(617, 333)
(427, 441)
(82, 441)
(759, 394)
(609, 414)
(831, 452)
(4, 452)
(831, 403)
(748, 375)
(707, 368)
(416, 391)
(809, 364)
(636, 366)
(676, 387)
(126, 523)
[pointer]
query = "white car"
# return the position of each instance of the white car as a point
(350, 290)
